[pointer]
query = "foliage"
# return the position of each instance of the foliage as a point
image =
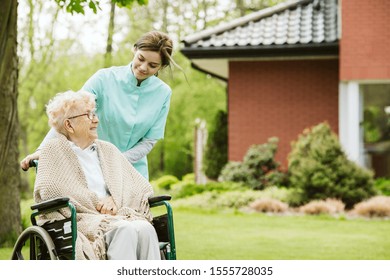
(186, 189)
(79, 6)
(258, 168)
(377, 206)
(224, 195)
(190, 177)
(327, 206)
(214, 200)
(372, 129)
(216, 157)
(268, 205)
(165, 182)
(320, 169)
(25, 209)
(382, 185)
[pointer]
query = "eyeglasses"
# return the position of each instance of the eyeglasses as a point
(90, 115)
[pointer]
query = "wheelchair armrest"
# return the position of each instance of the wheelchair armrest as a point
(155, 199)
(52, 203)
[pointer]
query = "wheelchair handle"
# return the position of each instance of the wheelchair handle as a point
(33, 163)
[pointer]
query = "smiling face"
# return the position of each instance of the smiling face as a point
(145, 64)
(81, 129)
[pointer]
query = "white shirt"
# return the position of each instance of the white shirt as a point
(89, 162)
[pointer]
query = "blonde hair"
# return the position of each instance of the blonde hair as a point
(65, 105)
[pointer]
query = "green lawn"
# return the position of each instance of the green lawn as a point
(219, 236)
(230, 236)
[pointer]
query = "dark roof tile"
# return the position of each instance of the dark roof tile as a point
(289, 23)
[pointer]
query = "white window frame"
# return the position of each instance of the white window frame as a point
(350, 120)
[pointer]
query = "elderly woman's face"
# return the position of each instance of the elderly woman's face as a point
(84, 124)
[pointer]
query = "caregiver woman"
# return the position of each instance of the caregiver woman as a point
(132, 103)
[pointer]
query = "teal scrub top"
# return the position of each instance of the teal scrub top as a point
(127, 112)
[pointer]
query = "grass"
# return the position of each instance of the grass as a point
(230, 236)
(213, 235)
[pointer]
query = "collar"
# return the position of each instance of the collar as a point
(133, 80)
(92, 147)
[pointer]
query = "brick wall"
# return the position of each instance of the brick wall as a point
(365, 40)
(279, 98)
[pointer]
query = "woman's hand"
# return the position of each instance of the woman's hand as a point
(25, 163)
(107, 206)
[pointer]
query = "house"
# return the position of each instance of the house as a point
(296, 64)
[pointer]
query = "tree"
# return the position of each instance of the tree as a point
(111, 27)
(34, 66)
(9, 154)
(9, 125)
(216, 155)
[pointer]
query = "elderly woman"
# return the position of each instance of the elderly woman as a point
(111, 197)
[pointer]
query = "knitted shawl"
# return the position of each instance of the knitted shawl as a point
(60, 175)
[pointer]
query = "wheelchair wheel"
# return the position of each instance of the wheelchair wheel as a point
(34, 244)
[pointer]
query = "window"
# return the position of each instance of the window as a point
(376, 128)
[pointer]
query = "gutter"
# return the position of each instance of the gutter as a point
(323, 49)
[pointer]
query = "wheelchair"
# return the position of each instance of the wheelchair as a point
(57, 240)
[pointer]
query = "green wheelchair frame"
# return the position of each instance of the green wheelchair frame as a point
(57, 240)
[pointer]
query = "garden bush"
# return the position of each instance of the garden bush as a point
(190, 177)
(26, 211)
(258, 168)
(165, 182)
(377, 206)
(268, 205)
(382, 185)
(327, 206)
(214, 200)
(320, 169)
(186, 189)
(231, 195)
(215, 157)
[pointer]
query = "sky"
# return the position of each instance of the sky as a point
(89, 29)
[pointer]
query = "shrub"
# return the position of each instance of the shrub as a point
(377, 206)
(233, 196)
(269, 205)
(382, 185)
(215, 200)
(215, 156)
(258, 169)
(328, 206)
(320, 169)
(25, 210)
(186, 189)
(190, 177)
(165, 182)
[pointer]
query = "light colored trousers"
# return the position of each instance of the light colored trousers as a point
(135, 240)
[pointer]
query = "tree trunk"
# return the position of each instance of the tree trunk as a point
(10, 225)
(111, 27)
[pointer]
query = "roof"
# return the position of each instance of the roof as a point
(298, 27)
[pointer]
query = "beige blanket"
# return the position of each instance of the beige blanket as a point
(60, 175)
